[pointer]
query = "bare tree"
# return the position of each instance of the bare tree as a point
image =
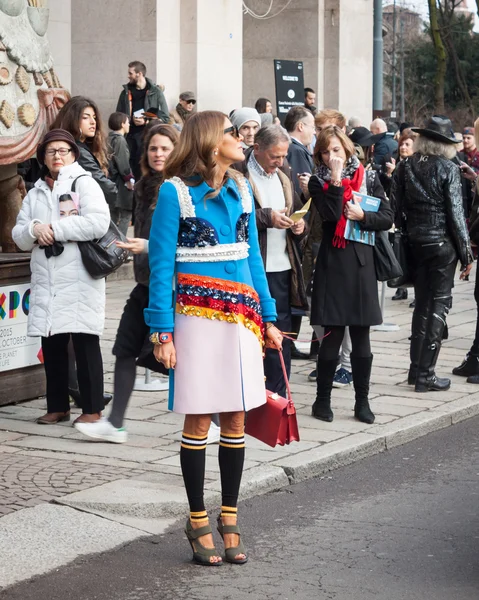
(441, 56)
(446, 11)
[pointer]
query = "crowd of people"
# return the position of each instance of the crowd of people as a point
(242, 227)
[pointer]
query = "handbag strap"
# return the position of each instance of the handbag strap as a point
(74, 184)
(285, 374)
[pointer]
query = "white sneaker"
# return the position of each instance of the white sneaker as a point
(103, 430)
(213, 434)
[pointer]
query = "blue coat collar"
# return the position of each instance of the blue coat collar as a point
(198, 192)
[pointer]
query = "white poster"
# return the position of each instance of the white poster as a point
(17, 350)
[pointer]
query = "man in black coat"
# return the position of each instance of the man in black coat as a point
(299, 123)
(384, 145)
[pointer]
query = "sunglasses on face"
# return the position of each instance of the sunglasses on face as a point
(233, 130)
(191, 102)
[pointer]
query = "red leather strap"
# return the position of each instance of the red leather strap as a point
(288, 389)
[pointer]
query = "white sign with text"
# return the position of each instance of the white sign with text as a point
(17, 350)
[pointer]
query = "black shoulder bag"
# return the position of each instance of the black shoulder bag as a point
(102, 257)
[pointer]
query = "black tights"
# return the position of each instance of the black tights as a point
(333, 338)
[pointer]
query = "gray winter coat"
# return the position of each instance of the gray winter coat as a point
(119, 169)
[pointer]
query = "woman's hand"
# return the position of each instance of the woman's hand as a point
(336, 164)
(303, 179)
(353, 211)
(135, 245)
(298, 228)
(466, 271)
(390, 166)
(44, 234)
(468, 172)
(166, 354)
(273, 337)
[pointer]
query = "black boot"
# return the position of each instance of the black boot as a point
(414, 353)
(324, 384)
(468, 367)
(361, 368)
(401, 294)
(427, 380)
(418, 333)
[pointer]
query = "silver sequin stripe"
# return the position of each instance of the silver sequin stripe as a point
(218, 253)
(187, 208)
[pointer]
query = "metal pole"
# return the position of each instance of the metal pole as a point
(403, 98)
(393, 99)
(378, 56)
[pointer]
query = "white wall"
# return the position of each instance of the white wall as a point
(59, 36)
(356, 59)
(168, 48)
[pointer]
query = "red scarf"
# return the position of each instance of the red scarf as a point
(350, 186)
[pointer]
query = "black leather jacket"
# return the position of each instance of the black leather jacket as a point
(427, 190)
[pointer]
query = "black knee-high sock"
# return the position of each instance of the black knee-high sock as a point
(193, 459)
(125, 371)
(231, 460)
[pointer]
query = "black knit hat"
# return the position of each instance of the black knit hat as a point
(56, 135)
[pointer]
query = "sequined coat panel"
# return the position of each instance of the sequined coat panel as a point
(218, 221)
(428, 191)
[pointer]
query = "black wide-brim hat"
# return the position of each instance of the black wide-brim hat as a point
(439, 128)
(362, 137)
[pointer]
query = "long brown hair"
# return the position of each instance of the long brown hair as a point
(156, 129)
(193, 156)
(322, 143)
(69, 119)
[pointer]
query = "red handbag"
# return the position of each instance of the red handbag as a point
(274, 422)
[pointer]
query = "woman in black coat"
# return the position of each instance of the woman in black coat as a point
(345, 289)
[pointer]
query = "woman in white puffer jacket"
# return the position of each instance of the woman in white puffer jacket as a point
(65, 300)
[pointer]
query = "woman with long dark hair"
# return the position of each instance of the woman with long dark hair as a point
(204, 236)
(80, 117)
(345, 288)
(132, 335)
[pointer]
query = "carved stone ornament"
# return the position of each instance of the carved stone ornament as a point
(23, 79)
(24, 35)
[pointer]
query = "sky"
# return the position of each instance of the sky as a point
(421, 5)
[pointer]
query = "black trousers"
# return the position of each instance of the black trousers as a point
(434, 280)
(475, 345)
(89, 369)
(280, 288)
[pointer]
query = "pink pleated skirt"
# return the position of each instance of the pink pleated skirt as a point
(219, 367)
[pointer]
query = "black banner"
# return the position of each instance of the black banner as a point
(289, 80)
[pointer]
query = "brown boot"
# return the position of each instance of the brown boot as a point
(55, 417)
(88, 418)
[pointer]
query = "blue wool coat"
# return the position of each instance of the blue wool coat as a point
(223, 214)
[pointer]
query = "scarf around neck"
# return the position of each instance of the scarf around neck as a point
(352, 179)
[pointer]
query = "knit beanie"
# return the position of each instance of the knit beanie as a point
(243, 115)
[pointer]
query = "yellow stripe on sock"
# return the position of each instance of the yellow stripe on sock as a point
(194, 437)
(232, 435)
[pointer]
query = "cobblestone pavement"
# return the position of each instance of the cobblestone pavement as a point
(41, 463)
(27, 481)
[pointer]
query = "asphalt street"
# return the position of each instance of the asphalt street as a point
(402, 525)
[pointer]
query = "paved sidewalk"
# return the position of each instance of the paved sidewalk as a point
(136, 487)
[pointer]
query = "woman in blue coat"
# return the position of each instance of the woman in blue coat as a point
(211, 336)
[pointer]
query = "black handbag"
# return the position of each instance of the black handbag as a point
(385, 261)
(401, 252)
(102, 257)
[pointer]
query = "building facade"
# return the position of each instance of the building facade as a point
(216, 48)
